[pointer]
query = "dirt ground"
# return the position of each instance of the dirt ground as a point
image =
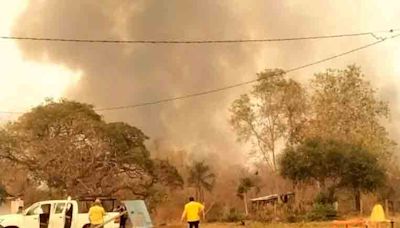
(250, 224)
(258, 225)
(271, 225)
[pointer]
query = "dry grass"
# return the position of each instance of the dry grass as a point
(258, 225)
(270, 225)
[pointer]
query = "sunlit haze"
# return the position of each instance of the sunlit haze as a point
(25, 83)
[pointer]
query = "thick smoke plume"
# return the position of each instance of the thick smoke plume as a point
(118, 74)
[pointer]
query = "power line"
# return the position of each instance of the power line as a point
(196, 41)
(10, 112)
(243, 83)
(202, 93)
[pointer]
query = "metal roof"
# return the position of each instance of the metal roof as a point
(270, 197)
(266, 198)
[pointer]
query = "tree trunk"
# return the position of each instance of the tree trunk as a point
(296, 190)
(274, 160)
(387, 207)
(357, 200)
(245, 204)
(197, 193)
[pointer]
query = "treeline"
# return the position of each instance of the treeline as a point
(325, 135)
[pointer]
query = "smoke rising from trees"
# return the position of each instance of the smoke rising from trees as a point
(115, 75)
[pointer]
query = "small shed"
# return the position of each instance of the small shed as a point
(271, 201)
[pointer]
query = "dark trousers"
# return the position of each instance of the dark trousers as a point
(194, 224)
(122, 223)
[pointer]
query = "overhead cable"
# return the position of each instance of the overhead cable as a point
(55, 39)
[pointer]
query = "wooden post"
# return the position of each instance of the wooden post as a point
(245, 204)
(386, 207)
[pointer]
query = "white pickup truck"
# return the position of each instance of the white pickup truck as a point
(54, 214)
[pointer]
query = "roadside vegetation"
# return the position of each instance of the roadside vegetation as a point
(325, 141)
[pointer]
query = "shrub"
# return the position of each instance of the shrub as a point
(292, 216)
(325, 198)
(234, 215)
(321, 212)
(216, 213)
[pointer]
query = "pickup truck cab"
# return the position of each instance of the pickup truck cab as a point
(54, 214)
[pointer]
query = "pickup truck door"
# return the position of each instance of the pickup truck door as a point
(57, 217)
(138, 213)
(31, 218)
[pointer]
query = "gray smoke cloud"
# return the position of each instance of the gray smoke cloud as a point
(126, 74)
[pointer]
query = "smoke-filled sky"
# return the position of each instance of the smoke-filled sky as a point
(119, 74)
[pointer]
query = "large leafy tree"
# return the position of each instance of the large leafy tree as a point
(313, 160)
(68, 146)
(345, 108)
(333, 164)
(272, 113)
(202, 178)
(361, 173)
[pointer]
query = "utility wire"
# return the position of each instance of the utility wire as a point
(202, 93)
(10, 112)
(195, 41)
(243, 83)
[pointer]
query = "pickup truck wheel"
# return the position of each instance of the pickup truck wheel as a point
(86, 226)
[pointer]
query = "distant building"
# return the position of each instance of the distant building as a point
(13, 203)
(268, 204)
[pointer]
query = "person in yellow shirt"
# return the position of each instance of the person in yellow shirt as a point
(96, 214)
(192, 213)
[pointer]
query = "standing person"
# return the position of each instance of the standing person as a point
(192, 213)
(96, 214)
(123, 218)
